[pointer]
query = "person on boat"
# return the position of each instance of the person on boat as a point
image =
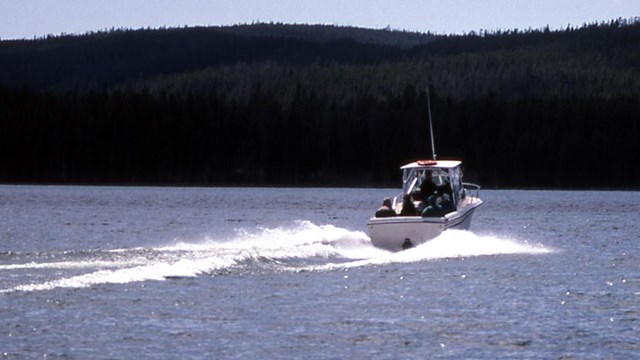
(408, 208)
(418, 201)
(427, 187)
(446, 204)
(434, 209)
(385, 210)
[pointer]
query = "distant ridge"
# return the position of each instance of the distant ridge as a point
(329, 33)
(276, 104)
(595, 60)
(99, 60)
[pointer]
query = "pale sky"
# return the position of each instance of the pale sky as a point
(37, 18)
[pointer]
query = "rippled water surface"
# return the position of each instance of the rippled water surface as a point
(121, 273)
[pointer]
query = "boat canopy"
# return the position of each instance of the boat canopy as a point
(445, 164)
(444, 173)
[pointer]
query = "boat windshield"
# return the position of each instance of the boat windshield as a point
(412, 179)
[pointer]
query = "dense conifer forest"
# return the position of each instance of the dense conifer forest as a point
(310, 105)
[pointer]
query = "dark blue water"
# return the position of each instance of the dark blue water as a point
(121, 273)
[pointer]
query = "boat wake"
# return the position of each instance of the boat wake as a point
(303, 246)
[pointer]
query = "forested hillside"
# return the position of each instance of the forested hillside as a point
(273, 104)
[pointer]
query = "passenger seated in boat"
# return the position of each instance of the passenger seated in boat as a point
(385, 210)
(434, 209)
(446, 204)
(418, 201)
(408, 208)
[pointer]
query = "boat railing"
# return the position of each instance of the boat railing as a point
(397, 201)
(472, 190)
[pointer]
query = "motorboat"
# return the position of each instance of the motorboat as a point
(434, 199)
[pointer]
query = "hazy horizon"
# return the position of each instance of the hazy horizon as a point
(38, 18)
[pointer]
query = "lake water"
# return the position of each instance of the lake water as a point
(259, 273)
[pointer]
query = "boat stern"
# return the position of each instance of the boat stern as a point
(402, 232)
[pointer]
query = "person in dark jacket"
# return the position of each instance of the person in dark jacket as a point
(408, 208)
(427, 187)
(446, 204)
(385, 210)
(434, 209)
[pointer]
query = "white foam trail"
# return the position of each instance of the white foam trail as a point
(280, 248)
(66, 265)
(159, 271)
(459, 243)
(450, 244)
(304, 240)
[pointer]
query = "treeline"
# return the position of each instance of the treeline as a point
(597, 60)
(114, 137)
(102, 60)
(292, 105)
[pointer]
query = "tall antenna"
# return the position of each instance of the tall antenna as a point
(433, 149)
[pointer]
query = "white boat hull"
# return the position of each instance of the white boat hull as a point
(399, 232)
